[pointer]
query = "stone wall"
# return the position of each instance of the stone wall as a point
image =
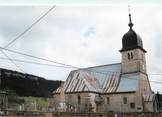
(87, 103)
(105, 115)
(73, 104)
(67, 114)
(116, 102)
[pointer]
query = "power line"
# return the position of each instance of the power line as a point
(52, 65)
(37, 63)
(155, 74)
(20, 53)
(21, 34)
(16, 52)
(123, 77)
(24, 54)
(30, 27)
(12, 61)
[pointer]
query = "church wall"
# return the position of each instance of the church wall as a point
(148, 107)
(57, 103)
(144, 86)
(116, 102)
(77, 102)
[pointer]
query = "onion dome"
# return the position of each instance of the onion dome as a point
(131, 40)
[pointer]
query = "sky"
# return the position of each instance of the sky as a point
(79, 35)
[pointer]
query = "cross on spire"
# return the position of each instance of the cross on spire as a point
(130, 20)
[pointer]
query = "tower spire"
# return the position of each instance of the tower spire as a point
(130, 20)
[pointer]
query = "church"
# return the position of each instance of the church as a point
(119, 87)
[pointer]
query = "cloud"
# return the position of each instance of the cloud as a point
(90, 32)
(81, 36)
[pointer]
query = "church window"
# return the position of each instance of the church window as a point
(124, 100)
(128, 56)
(79, 99)
(90, 108)
(132, 105)
(108, 100)
(131, 55)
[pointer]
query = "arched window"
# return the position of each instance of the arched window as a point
(131, 55)
(124, 100)
(90, 108)
(128, 56)
(108, 100)
(79, 100)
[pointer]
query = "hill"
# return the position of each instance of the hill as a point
(27, 84)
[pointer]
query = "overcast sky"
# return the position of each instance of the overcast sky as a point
(82, 36)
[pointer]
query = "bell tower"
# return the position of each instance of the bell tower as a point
(133, 60)
(132, 52)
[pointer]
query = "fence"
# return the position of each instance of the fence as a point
(68, 114)
(105, 115)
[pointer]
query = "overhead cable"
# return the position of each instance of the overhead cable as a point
(37, 63)
(12, 61)
(93, 71)
(30, 27)
(40, 58)
(21, 34)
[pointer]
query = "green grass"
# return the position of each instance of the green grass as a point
(38, 101)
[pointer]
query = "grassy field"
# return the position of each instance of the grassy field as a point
(38, 101)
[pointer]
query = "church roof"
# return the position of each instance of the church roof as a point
(100, 79)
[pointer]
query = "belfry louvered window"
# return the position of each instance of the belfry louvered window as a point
(131, 55)
(128, 56)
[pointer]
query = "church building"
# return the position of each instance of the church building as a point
(119, 87)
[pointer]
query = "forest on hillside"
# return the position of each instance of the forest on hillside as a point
(27, 84)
